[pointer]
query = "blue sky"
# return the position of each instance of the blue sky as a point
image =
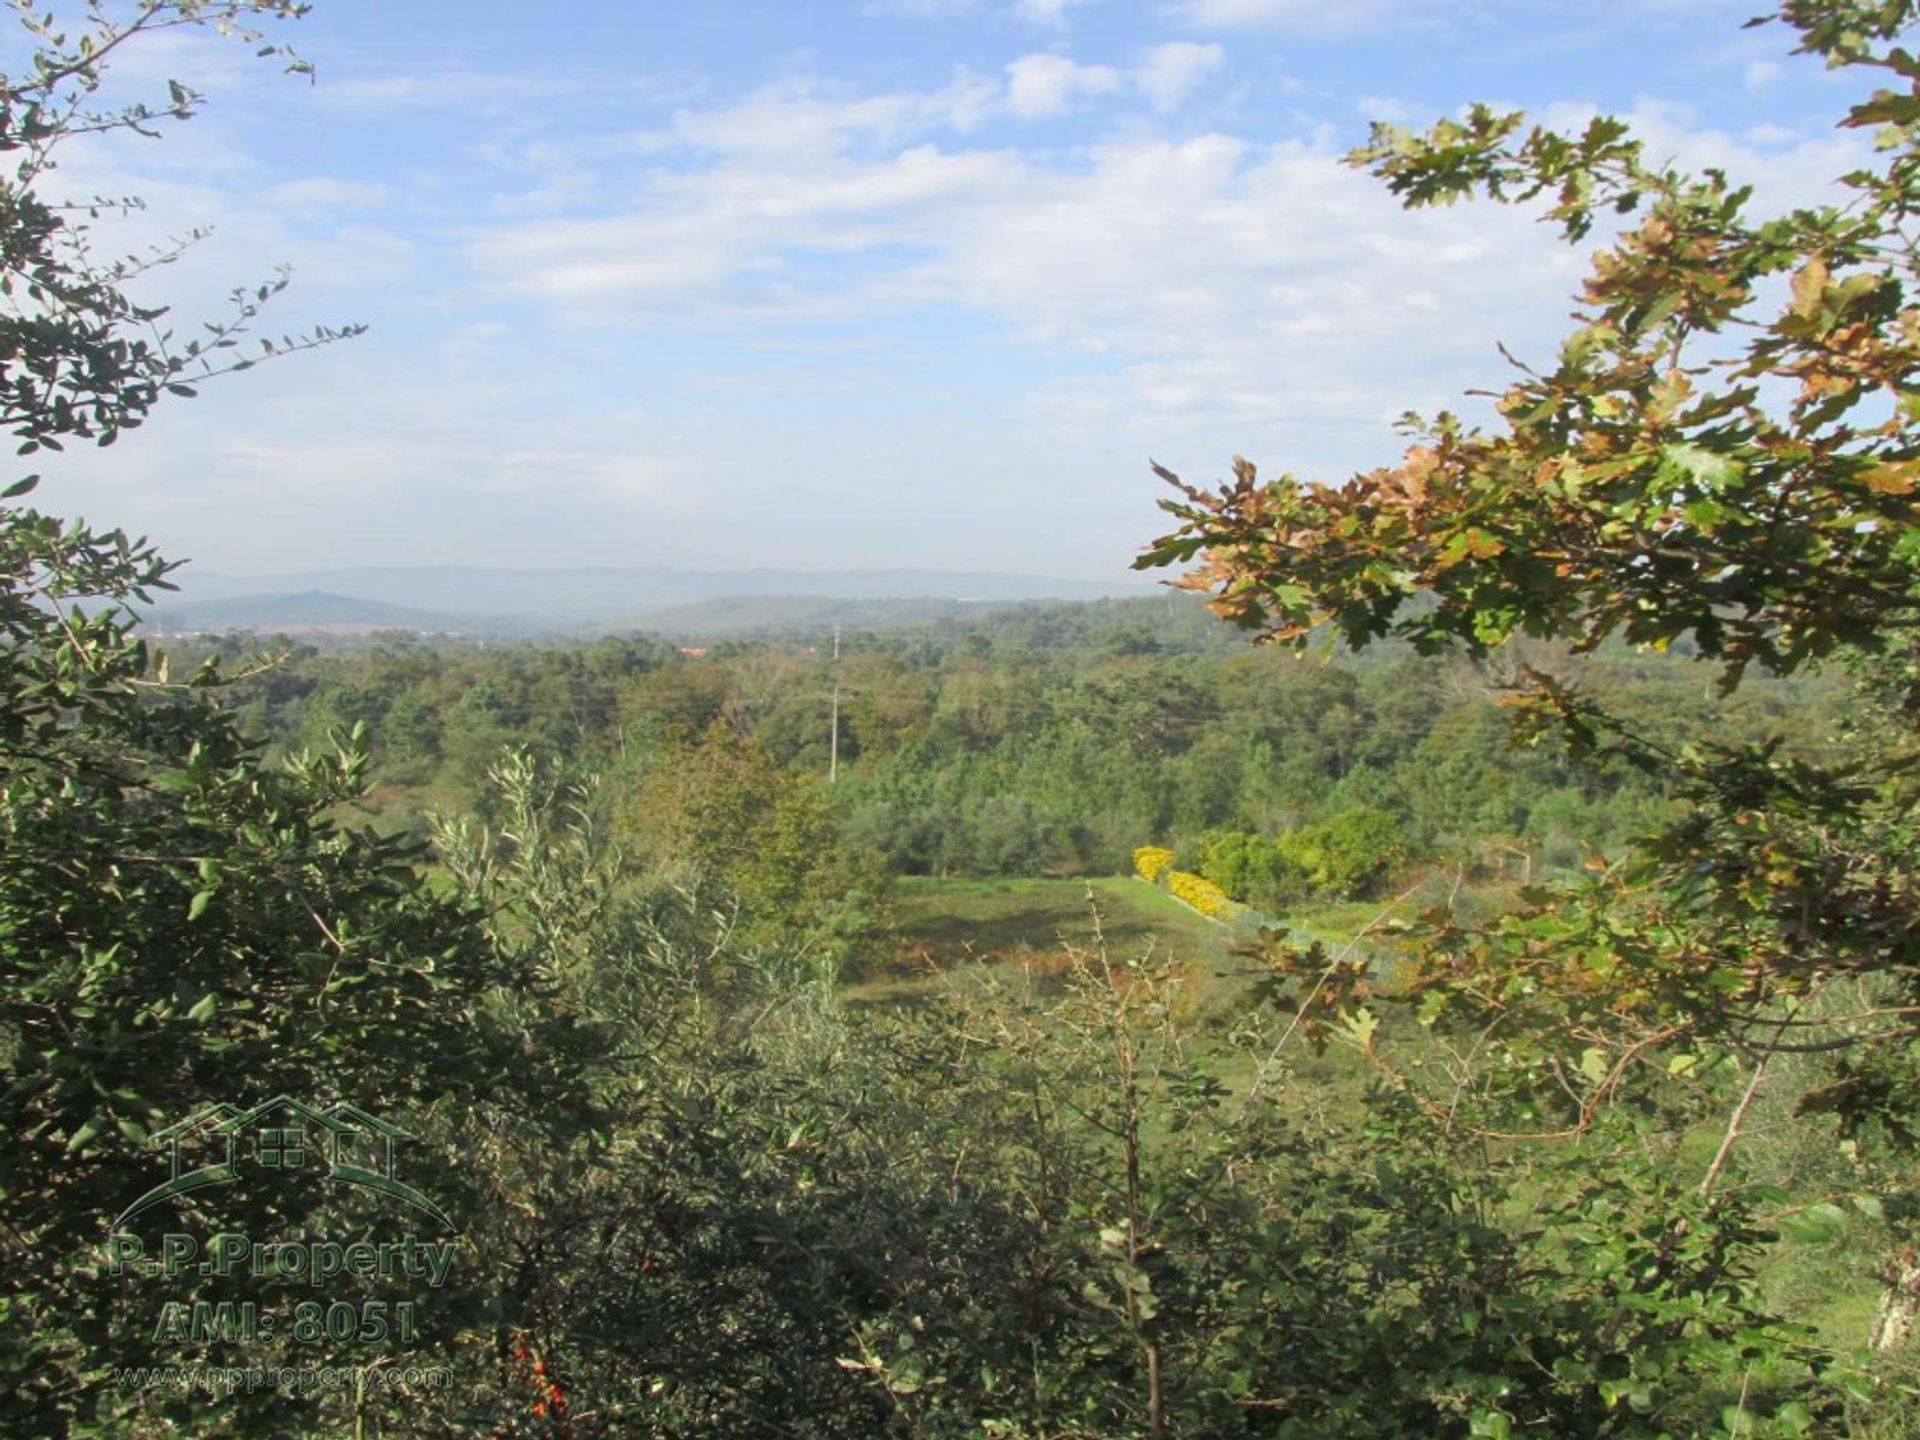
(885, 282)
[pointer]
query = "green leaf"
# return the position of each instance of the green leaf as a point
(1793, 1418)
(1360, 1026)
(1815, 1225)
(1704, 467)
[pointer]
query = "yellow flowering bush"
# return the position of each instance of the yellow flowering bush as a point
(1152, 861)
(1203, 895)
(1155, 865)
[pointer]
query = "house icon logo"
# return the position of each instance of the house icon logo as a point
(281, 1136)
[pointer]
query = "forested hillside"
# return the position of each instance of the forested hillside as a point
(1048, 740)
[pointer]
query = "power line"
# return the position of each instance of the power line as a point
(833, 752)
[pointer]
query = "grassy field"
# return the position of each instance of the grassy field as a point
(942, 925)
(946, 925)
(957, 920)
(982, 919)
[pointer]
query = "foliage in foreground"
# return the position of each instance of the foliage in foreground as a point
(1724, 454)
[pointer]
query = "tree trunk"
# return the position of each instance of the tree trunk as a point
(1899, 1302)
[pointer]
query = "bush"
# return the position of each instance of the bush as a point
(1151, 862)
(1348, 856)
(1252, 868)
(1203, 895)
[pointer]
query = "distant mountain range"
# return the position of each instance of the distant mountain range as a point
(485, 601)
(312, 611)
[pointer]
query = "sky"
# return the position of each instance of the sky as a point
(828, 284)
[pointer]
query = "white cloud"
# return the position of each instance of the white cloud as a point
(1042, 85)
(1783, 175)
(470, 91)
(1762, 73)
(323, 192)
(802, 117)
(1169, 73)
(702, 230)
(923, 9)
(205, 179)
(1217, 291)
(1050, 14)
(1045, 12)
(1310, 14)
(1215, 284)
(1385, 108)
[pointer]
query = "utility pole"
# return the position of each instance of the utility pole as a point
(833, 752)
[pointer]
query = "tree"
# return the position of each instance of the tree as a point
(1724, 455)
(180, 925)
(84, 360)
(721, 812)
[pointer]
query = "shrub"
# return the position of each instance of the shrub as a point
(1203, 895)
(1347, 856)
(1252, 868)
(1151, 862)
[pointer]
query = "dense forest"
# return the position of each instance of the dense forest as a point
(1036, 740)
(623, 1038)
